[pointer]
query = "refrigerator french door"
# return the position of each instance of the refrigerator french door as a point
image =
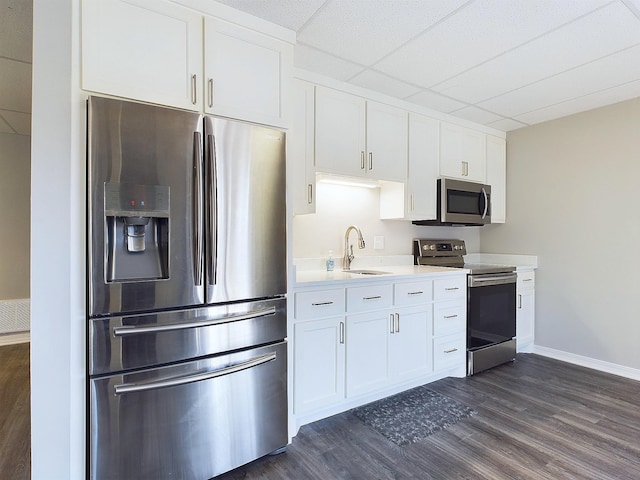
(186, 292)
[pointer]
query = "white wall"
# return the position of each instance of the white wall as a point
(573, 200)
(338, 206)
(57, 246)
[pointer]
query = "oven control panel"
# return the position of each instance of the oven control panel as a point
(438, 248)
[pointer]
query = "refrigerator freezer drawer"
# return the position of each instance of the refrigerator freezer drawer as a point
(139, 341)
(193, 420)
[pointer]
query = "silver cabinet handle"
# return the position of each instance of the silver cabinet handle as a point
(310, 193)
(450, 316)
(397, 323)
(449, 289)
(375, 297)
(210, 91)
(419, 292)
(392, 322)
(182, 380)
(342, 333)
(194, 93)
(196, 221)
(519, 301)
(451, 351)
(411, 203)
(320, 304)
(362, 165)
(527, 279)
(370, 160)
(465, 169)
(126, 330)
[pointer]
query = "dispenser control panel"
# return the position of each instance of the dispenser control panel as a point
(131, 200)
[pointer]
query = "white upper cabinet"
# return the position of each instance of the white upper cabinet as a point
(159, 52)
(300, 142)
(246, 73)
(423, 167)
(462, 153)
(359, 138)
(497, 177)
(144, 50)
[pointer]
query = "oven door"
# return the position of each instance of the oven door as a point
(464, 202)
(491, 309)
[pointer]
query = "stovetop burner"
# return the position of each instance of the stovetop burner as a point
(450, 253)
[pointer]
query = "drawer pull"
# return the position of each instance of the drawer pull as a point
(449, 289)
(415, 293)
(450, 316)
(320, 304)
(451, 351)
(375, 297)
(527, 279)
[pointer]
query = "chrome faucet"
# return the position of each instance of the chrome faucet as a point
(348, 250)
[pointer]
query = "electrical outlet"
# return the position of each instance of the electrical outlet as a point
(378, 242)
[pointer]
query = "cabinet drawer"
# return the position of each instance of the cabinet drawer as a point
(317, 304)
(374, 297)
(449, 317)
(449, 351)
(449, 288)
(526, 280)
(413, 293)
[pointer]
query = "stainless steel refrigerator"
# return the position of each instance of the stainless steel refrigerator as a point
(186, 292)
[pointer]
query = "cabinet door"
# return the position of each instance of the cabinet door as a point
(300, 143)
(319, 353)
(143, 50)
(525, 320)
(340, 133)
(497, 177)
(410, 344)
(367, 352)
(462, 153)
(246, 73)
(423, 167)
(387, 139)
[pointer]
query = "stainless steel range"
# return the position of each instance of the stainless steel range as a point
(491, 302)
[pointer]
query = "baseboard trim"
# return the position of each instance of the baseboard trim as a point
(607, 367)
(13, 338)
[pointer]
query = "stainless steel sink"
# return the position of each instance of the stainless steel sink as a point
(366, 272)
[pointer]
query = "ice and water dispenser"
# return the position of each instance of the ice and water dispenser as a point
(137, 235)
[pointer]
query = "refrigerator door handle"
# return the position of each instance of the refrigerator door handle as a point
(198, 377)
(197, 208)
(134, 330)
(212, 200)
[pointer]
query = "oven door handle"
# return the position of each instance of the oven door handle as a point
(487, 280)
(198, 377)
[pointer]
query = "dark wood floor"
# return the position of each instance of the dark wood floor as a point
(537, 418)
(15, 417)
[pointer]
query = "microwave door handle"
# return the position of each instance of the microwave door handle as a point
(486, 203)
(196, 221)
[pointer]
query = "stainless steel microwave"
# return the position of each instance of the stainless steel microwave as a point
(461, 203)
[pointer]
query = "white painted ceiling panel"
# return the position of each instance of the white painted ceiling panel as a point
(506, 124)
(435, 101)
(383, 83)
(477, 115)
(608, 72)
(324, 63)
(292, 14)
(363, 31)
(477, 33)
(580, 42)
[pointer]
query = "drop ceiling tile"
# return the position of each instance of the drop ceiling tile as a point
(314, 60)
(600, 33)
(20, 122)
(383, 83)
(608, 72)
(477, 115)
(366, 30)
(435, 101)
(477, 33)
(16, 29)
(15, 85)
(4, 126)
(291, 14)
(587, 102)
(507, 124)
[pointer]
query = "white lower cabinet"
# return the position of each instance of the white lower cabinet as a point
(356, 342)
(319, 363)
(525, 311)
